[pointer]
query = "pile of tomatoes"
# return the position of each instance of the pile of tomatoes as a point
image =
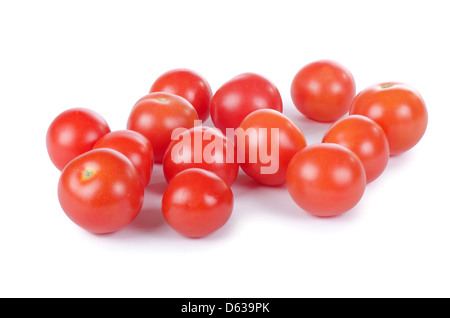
(104, 173)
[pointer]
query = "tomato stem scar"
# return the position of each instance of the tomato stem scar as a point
(88, 173)
(162, 99)
(386, 85)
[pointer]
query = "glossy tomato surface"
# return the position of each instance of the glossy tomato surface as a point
(134, 146)
(326, 179)
(269, 140)
(73, 132)
(197, 203)
(202, 147)
(323, 90)
(101, 191)
(156, 115)
(398, 108)
(365, 138)
(188, 84)
(240, 96)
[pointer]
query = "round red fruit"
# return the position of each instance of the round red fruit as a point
(269, 140)
(365, 138)
(197, 203)
(188, 84)
(202, 147)
(326, 179)
(134, 146)
(240, 96)
(156, 115)
(398, 108)
(72, 133)
(323, 90)
(101, 191)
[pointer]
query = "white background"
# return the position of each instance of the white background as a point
(104, 55)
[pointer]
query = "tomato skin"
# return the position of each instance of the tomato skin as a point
(134, 146)
(188, 84)
(290, 141)
(326, 179)
(323, 90)
(398, 108)
(197, 203)
(365, 138)
(240, 96)
(101, 191)
(156, 115)
(176, 161)
(72, 133)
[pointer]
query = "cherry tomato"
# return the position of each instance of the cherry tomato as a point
(326, 179)
(323, 90)
(101, 191)
(72, 133)
(188, 84)
(197, 202)
(398, 108)
(134, 146)
(240, 96)
(365, 138)
(202, 147)
(274, 142)
(156, 115)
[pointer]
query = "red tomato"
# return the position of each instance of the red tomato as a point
(326, 179)
(323, 90)
(197, 202)
(188, 84)
(398, 109)
(156, 115)
(202, 147)
(101, 191)
(72, 133)
(273, 139)
(365, 138)
(134, 146)
(240, 96)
